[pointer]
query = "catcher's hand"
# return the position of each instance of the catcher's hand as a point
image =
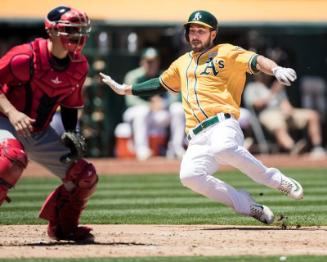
(120, 89)
(77, 145)
(284, 75)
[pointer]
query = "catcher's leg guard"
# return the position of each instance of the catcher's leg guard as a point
(63, 207)
(13, 160)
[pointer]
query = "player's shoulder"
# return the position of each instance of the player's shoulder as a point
(227, 47)
(184, 57)
(22, 49)
(230, 49)
(18, 58)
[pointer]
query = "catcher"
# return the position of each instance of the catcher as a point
(35, 79)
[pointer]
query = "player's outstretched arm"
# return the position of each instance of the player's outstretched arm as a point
(120, 89)
(147, 88)
(284, 75)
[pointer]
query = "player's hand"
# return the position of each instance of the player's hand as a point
(120, 89)
(21, 122)
(284, 75)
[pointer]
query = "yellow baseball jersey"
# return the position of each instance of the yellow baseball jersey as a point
(210, 82)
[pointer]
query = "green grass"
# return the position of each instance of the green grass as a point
(161, 199)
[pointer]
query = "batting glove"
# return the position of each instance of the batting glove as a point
(120, 89)
(284, 75)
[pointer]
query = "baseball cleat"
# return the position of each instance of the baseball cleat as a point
(260, 212)
(291, 188)
(82, 234)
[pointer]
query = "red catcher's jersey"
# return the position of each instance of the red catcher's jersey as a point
(34, 87)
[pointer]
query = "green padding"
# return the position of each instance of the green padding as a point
(148, 88)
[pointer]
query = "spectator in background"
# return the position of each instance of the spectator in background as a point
(313, 89)
(151, 116)
(93, 118)
(278, 116)
(314, 96)
(245, 121)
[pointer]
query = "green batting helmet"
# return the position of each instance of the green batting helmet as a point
(201, 17)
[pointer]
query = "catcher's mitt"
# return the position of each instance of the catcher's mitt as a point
(77, 145)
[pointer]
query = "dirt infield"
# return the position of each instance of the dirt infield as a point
(166, 240)
(162, 165)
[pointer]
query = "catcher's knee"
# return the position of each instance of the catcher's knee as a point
(13, 161)
(64, 206)
(82, 174)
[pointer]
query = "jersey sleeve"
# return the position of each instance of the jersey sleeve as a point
(243, 59)
(170, 78)
(15, 67)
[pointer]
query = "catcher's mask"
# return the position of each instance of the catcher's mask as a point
(204, 18)
(71, 25)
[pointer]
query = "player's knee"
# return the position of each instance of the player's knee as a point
(64, 206)
(189, 181)
(191, 177)
(198, 184)
(13, 161)
(14, 151)
(82, 174)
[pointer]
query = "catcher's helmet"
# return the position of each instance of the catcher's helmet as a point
(71, 25)
(201, 17)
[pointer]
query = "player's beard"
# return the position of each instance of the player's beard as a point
(198, 46)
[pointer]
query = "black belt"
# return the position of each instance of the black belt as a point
(206, 123)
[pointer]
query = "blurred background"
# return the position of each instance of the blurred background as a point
(293, 33)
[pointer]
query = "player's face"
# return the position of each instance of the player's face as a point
(201, 37)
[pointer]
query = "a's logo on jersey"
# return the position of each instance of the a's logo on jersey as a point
(56, 81)
(212, 64)
(197, 16)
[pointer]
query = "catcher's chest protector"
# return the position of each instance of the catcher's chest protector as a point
(50, 86)
(52, 82)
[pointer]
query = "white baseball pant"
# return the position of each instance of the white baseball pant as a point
(222, 143)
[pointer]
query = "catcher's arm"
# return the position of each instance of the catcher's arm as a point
(71, 138)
